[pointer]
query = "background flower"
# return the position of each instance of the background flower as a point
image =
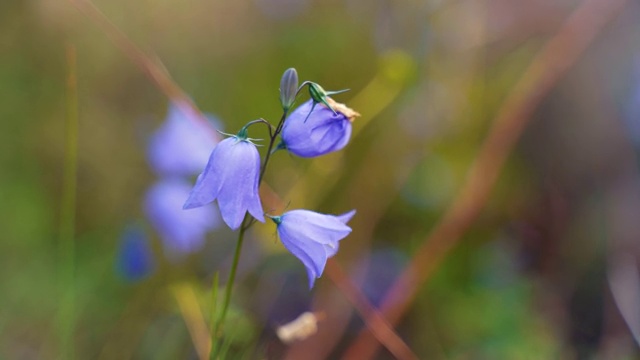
(134, 258)
(181, 231)
(179, 149)
(181, 146)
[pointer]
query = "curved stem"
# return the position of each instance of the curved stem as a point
(246, 224)
(271, 142)
(229, 287)
(261, 121)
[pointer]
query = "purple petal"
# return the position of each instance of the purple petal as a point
(322, 228)
(209, 183)
(322, 132)
(231, 177)
(311, 254)
(346, 217)
(312, 237)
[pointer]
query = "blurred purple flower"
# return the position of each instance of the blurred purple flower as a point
(181, 231)
(231, 176)
(322, 132)
(312, 237)
(181, 146)
(134, 259)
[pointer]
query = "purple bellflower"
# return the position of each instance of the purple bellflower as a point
(312, 237)
(181, 232)
(231, 177)
(181, 146)
(310, 133)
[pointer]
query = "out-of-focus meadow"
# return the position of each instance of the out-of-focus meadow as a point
(541, 263)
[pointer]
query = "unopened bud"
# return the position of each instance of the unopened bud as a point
(288, 88)
(319, 95)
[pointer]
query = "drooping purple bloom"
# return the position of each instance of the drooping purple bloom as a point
(181, 146)
(312, 237)
(231, 177)
(134, 260)
(317, 133)
(181, 231)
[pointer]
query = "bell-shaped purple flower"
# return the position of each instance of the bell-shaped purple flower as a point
(181, 231)
(231, 177)
(312, 237)
(181, 146)
(310, 133)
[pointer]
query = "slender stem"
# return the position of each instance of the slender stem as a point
(246, 224)
(214, 305)
(229, 287)
(66, 246)
(261, 121)
(271, 142)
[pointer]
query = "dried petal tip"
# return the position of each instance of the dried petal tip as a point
(288, 88)
(343, 109)
(319, 95)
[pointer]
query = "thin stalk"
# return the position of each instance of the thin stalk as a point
(229, 286)
(272, 141)
(246, 224)
(66, 245)
(212, 315)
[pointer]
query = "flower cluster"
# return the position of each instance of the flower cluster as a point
(178, 150)
(234, 171)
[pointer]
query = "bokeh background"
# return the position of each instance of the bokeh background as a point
(548, 270)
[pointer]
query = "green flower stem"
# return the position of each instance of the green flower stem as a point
(271, 142)
(229, 287)
(259, 121)
(246, 224)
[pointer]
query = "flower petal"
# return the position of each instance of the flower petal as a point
(239, 189)
(312, 225)
(321, 133)
(311, 254)
(346, 217)
(210, 181)
(313, 237)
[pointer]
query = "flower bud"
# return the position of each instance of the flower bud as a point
(288, 88)
(310, 132)
(319, 95)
